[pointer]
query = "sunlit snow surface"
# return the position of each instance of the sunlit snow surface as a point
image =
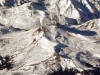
(43, 36)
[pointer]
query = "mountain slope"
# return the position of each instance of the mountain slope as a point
(43, 36)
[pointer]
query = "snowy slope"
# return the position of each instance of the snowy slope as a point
(42, 36)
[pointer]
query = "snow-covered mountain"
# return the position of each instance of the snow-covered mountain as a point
(39, 37)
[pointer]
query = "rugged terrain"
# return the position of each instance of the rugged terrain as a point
(41, 37)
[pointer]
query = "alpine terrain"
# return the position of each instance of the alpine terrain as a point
(49, 37)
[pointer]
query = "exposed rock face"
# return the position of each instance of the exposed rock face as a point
(43, 36)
